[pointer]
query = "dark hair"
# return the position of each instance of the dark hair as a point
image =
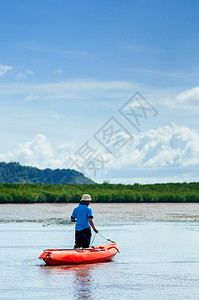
(85, 202)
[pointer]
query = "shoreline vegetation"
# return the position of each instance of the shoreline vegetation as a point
(100, 193)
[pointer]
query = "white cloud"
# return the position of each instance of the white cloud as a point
(58, 116)
(57, 51)
(169, 146)
(40, 153)
(70, 89)
(189, 98)
(32, 97)
(37, 152)
(4, 69)
(151, 179)
(57, 71)
(23, 75)
(169, 153)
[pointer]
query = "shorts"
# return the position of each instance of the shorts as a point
(83, 237)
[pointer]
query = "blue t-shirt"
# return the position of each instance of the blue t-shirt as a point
(81, 213)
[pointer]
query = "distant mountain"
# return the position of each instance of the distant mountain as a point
(16, 173)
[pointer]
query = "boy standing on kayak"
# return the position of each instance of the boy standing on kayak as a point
(83, 216)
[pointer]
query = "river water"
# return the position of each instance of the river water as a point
(158, 259)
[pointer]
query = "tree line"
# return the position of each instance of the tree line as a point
(100, 193)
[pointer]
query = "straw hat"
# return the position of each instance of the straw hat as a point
(86, 197)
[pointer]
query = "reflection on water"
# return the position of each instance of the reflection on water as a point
(83, 282)
(81, 277)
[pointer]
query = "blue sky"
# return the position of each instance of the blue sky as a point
(67, 67)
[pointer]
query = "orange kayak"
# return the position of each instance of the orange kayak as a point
(102, 253)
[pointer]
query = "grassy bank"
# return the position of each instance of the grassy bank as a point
(104, 193)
